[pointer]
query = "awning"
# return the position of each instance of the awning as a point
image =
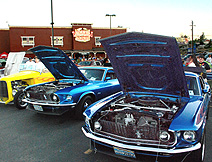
(3, 55)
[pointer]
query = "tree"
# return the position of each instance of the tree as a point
(202, 39)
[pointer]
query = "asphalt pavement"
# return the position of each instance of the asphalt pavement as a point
(26, 136)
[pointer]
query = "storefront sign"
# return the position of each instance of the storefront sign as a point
(82, 34)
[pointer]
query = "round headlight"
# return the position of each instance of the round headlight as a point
(164, 136)
(97, 126)
(69, 97)
(189, 136)
(14, 91)
(27, 94)
(55, 98)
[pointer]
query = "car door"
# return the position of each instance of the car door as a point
(110, 84)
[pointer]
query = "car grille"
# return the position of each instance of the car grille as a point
(134, 128)
(3, 89)
(146, 132)
(42, 96)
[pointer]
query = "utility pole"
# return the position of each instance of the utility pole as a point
(192, 36)
(52, 23)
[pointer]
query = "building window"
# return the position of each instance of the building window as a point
(97, 42)
(28, 41)
(58, 40)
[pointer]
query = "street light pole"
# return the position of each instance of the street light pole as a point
(52, 23)
(113, 15)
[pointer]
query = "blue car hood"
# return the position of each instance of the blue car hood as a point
(147, 63)
(58, 63)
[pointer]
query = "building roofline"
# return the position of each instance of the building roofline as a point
(108, 28)
(39, 27)
(80, 24)
(4, 29)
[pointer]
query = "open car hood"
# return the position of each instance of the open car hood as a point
(13, 62)
(147, 63)
(58, 63)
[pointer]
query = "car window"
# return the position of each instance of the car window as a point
(192, 85)
(202, 82)
(93, 74)
(111, 74)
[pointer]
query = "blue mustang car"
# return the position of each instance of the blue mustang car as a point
(161, 113)
(74, 88)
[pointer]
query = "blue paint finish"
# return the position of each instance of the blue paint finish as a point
(67, 74)
(143, 55)
(58, 63)
(137, 42)
(148, 61)
(152, 86)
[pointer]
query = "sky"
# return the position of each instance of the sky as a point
(163, 17)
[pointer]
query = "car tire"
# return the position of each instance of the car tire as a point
(201, 151)
(83, 104)
(199, 155)
(18, 100)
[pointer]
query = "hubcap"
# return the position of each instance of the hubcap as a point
(20, 98)
(87, 103)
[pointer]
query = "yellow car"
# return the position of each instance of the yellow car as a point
(11, 86)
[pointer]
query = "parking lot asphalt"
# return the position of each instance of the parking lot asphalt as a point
(26, 136)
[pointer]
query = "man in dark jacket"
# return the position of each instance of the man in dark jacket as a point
(204, 65)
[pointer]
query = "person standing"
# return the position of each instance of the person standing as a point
(192, 61)
(209, 59)
(204, 65)
(30, 64)
(39, 65)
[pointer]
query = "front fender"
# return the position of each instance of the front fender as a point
(95, 107)
(90, 93)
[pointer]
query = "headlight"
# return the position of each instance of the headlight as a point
(15, 83)
(14, 91)
(87, 121)
(55, 98)
(27, 94)
(189, 136)
(97, 126)
(69, 97)
(164, 136)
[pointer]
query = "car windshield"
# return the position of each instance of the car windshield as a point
(192, 85)
(33, 67)
(93, 74)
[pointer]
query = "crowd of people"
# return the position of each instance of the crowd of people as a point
(103, 60)
(199, 61)
(39, 66)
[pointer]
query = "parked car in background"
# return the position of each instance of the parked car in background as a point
(90, 63)
(2, 63)
(161, 113)
(11, 86)
(74, 89)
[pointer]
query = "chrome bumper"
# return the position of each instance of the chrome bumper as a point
(141, 148)
(48, 104)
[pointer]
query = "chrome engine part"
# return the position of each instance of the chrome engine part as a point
(45, 92)
(138, 122)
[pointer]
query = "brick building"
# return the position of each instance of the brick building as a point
(4, 41)
(78, 39)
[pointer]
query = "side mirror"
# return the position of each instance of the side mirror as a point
(206, 89)
(108, 78)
